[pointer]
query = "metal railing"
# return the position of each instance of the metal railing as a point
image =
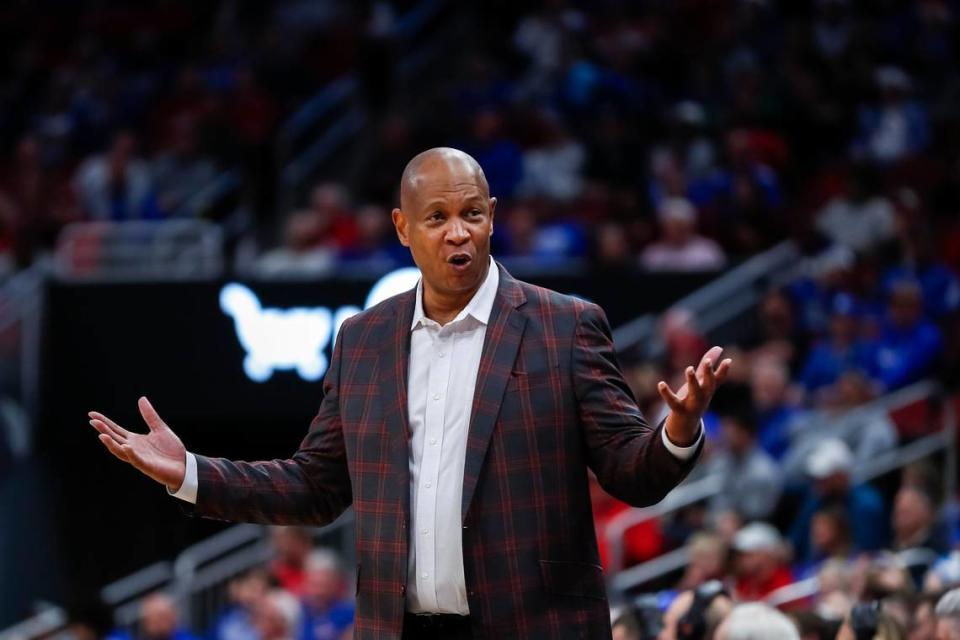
(717, 306)
(704, 488)
(140, 250)
(197, 579)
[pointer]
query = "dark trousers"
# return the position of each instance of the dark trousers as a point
(437, 627)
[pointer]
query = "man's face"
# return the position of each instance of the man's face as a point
(447, 221)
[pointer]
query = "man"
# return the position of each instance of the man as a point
(829, 466)
(459, 420)
(947, 612)
(756, 621)
(759, 562)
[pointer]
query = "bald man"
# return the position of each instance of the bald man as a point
(459, 420)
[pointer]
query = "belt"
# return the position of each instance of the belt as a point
(436, 623)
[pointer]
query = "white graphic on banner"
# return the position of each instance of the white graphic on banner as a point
(296, 339)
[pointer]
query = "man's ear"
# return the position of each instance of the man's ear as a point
(493, 208)
(400, 224)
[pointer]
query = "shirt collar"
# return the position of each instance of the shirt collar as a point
(479, 307)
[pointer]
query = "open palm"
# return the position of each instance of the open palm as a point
(158, 453)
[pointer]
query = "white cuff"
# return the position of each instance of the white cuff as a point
(681, 453)
(188, 489)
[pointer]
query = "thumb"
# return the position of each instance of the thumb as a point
(150, 416)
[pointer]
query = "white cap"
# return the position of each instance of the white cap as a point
(758, 536)
(830, 456)
(677, 209)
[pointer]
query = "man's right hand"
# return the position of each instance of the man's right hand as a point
(158, 453)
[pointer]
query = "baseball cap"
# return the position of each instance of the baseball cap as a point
(757, 536)
(829, 457)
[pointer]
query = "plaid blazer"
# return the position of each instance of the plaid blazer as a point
(550, 401)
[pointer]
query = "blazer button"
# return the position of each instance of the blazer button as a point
(403, 590)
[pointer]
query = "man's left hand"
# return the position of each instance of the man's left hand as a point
(688, 405)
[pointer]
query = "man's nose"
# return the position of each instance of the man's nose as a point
(457, 233)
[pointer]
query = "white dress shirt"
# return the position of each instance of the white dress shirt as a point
(442, 377)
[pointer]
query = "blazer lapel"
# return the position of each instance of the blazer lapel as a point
(393, 366)
(500, 345)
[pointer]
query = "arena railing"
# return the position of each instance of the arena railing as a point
(140, 250)
(331, 118)
(698, 490)
(197, 579)
(717, 308)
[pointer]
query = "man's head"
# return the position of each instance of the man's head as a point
(446, 218)
(829, 465)
(948, 616)
(905, 303)
(292, 545)
(913, 514)
(755, 621)
(158, 616)
(324, 583)
(276, 616)
(759, 548)
(696, 613)
(678, 220)
(769, 382)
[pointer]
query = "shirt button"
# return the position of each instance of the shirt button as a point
(424, 575)
(428, 485)
(424, 531)
(433, 441)
(441, 354)
(436, 396)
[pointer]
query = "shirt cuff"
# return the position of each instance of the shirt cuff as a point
(188, 489)
(680, 453)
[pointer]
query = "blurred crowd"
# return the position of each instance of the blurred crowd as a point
(304, 592)
(662, 136)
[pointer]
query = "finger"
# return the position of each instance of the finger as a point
(693, 385)
(723, 370)
(707, 378)
(105, 429)
(120, 451)
(110, 423)
(672, 400)
(713, 354)
(149, 414)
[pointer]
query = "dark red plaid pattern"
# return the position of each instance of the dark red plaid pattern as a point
(550, 401)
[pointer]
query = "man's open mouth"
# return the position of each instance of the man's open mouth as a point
(459, 259)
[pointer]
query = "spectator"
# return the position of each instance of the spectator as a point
(758, 563)
(909, 345)
(769, 383)
(553, 167)
(376, 240)
(843, 348)
(500, 157)
(117, 186)
(244, 592)
(829, 535)
(291, 547)
(755, 621)
(680, 248)
(277, 616)
(861, 218)
(918, 261)
(947, 612)
(34, 203)
(867, 620)
(180, 171)
(708, 560)
(327, 613)
(696, 613)
(915, 526)
(830, 467)
(896, 127)
(159, 620)
(751, 480)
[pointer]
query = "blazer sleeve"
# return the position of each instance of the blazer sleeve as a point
(623, 450)
(310, 488)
